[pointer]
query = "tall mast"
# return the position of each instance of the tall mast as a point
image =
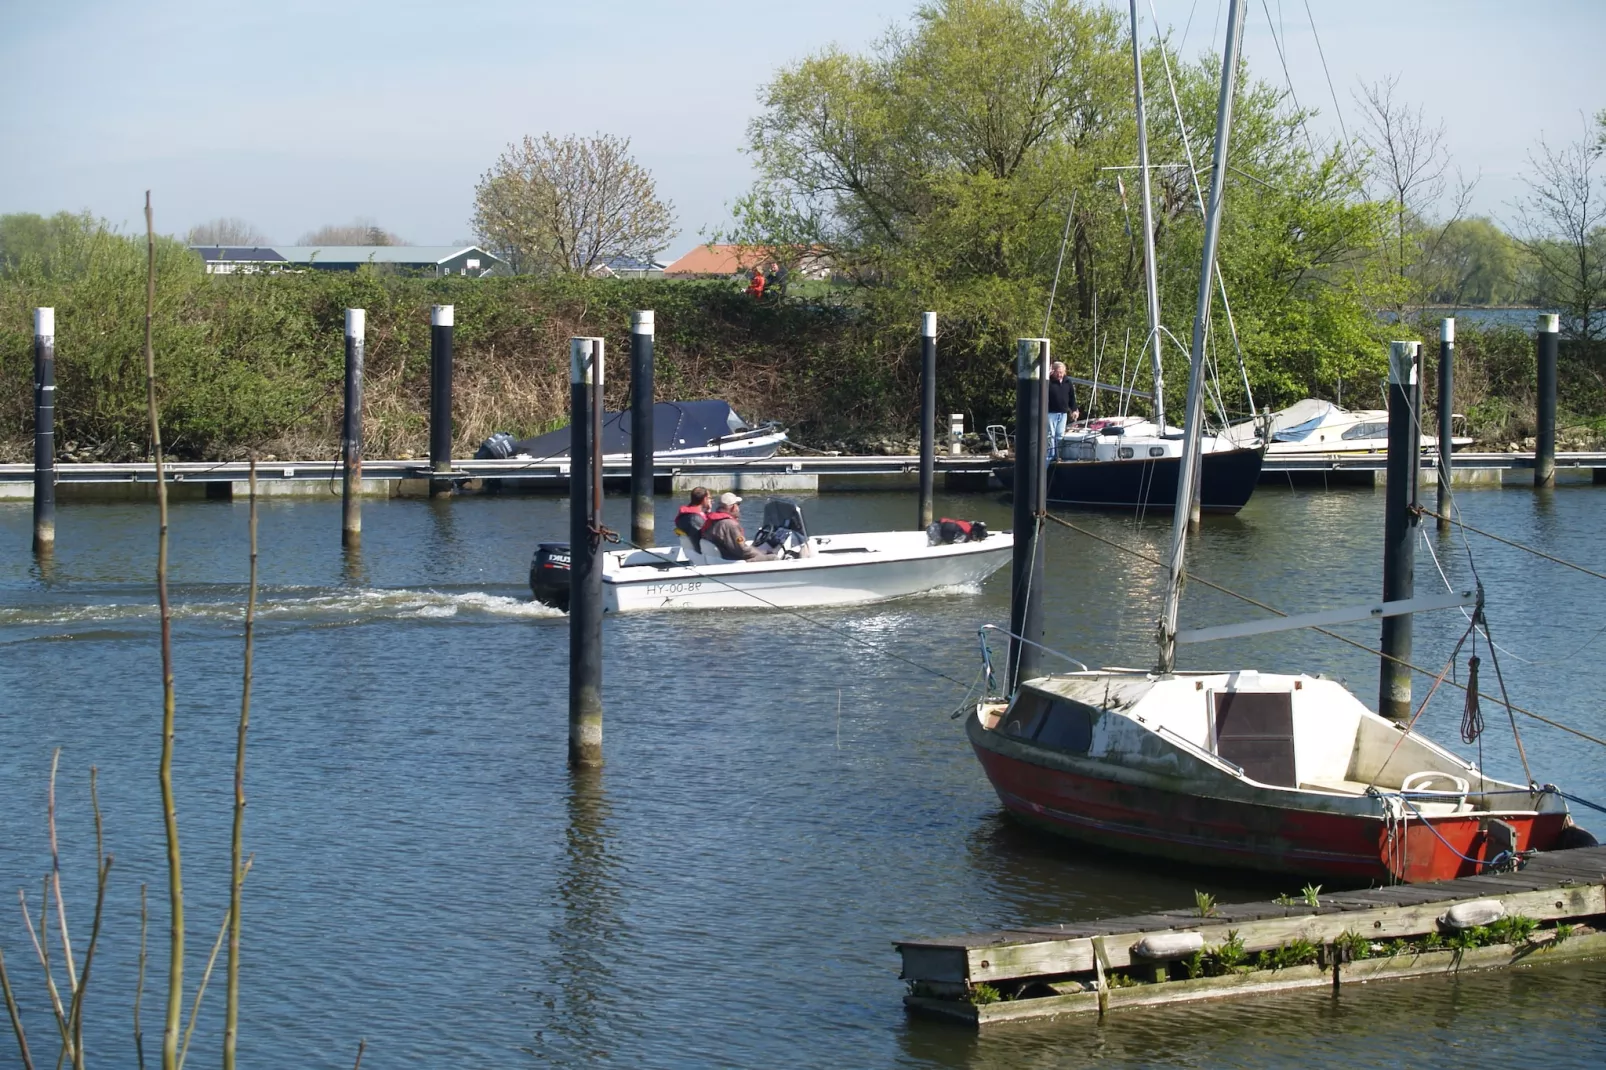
(1192, 425)
(1151, 282)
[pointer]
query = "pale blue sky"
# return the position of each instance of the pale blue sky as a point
(293, 113)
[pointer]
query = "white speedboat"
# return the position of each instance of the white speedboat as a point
(1315, 426)
(819, 570)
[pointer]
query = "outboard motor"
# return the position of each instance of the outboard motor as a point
(948, 530)
(549, 575)
(783, 528)
(499, 447)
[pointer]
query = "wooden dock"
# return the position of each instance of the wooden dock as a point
(1552, 910)
(814, 473)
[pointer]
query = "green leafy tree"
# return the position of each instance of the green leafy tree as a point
(940, 168)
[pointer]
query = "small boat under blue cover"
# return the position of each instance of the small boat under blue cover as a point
(684, 429)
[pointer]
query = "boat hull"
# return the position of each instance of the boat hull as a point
(1212, 831)
(830, 577)
(1227, 479)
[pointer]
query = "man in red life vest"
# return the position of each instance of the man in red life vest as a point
(693, 516)
(722, 531)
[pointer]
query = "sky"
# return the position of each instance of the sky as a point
(294, 114)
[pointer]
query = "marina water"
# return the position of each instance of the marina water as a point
(784, 794)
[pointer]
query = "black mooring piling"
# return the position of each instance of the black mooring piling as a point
(44, 430)
(928, 415)
(351, 432)
(1545, 446)
(641, 429)
(1031, 491)
(585, 551)
(1446, 408)
(440, 400)
(1399, 530)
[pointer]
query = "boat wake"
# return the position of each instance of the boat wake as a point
(289, 604)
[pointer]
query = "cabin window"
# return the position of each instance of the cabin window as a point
(1372, 430)
(1068, 726)
(1255, 730)
(1025, 717)
(1156, 451)
(1126, 453)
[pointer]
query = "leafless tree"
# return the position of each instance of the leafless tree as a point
(226, 230)
(1411, 167)
(1562, 222)
(567, 204)
(359, 231)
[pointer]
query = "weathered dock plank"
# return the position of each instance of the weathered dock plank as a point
(1560, 889)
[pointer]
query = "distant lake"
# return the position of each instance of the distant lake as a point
(1526, 318)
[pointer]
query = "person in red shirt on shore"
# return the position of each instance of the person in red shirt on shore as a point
(756, 287)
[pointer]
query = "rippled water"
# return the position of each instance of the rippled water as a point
(784, 794)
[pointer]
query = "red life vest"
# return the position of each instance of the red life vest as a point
(962, 525)
(711, 517)
(686, 526)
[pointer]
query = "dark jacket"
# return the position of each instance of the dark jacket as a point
(1061, 395)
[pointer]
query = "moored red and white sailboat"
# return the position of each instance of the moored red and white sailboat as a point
(1278, 772)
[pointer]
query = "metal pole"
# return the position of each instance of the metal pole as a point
(928, 415)
(641, 430)
(440, 399)
(351, 432)
(1188, 469)
(585, 556)
(1026, 577)
(1545, 454)
(44, 430)
(1446, 407)
(1151, 283)
(956, 433)
(1399, 531)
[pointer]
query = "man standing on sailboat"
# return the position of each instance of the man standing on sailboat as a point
(1061, 406)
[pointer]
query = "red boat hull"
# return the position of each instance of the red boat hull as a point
(1224, 832)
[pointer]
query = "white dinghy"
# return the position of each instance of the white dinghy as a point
(814, 570)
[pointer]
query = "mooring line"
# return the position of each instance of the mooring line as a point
(1140, 555)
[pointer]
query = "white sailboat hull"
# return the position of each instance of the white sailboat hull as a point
(842, 570)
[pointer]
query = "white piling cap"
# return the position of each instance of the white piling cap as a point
(928, 325)
(1447, 329)
(1031, 358)
(641, 322)
(440, 316)
(1549, 323)
(1402, 363)
(356, 323)
(582, 368)
(44, 323)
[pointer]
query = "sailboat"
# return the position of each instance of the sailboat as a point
(1284, 772)
(1132, 462)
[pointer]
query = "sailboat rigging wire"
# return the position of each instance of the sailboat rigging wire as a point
(1195, 578)
(1338, 112)
(1065, 237)
(1283, 59)
(1198, 195)
(1427, 544)
(849, 636)
(1458, 522)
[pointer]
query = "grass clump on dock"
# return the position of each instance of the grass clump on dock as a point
(1228, 958)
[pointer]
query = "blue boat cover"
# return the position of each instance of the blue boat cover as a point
(676, 425)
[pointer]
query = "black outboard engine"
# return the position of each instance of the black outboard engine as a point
(783, 529)
(549, 575)
(499, 447)
(948, 530)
